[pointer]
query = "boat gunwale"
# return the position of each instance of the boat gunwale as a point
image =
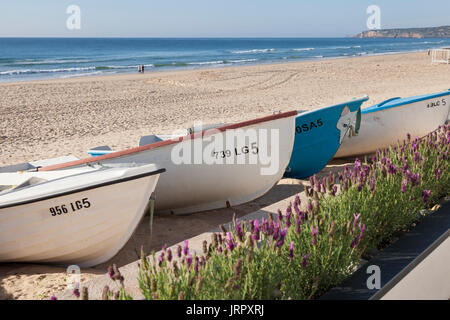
(159, 144)
(405, 102)
(82, 189)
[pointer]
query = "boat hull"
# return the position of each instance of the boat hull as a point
(202, 185)
(318, 135)
(94, 225)
(389, 126)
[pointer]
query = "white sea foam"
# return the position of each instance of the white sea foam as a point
(33, 62)
(342, 47)
(32, 71)
(253, 51)
(303, 49)
(123, 67)
(206, 62)
(81, 74)
(73, 69)
(242, 60)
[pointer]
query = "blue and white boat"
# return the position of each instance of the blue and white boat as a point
(389, 122)
(319, 134)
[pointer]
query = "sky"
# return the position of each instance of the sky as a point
(214, 18)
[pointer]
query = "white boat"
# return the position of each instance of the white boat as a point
(389, 122)
(203, 182)
(81, 216)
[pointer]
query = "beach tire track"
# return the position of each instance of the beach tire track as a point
(285, 80)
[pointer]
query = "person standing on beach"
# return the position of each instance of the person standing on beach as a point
(142, 68)
(139, 68)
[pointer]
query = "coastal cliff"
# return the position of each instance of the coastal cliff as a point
(434, 32)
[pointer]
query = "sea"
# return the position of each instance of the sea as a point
(23, 59)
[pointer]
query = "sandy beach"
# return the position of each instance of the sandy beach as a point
(49, 118)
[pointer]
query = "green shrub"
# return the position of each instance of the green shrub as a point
(314, 246)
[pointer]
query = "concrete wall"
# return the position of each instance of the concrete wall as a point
(430, 279)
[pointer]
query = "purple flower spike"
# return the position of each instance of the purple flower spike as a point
(291, 251)
(355, 219)
(231, 244)
(239, 230)
(408, 174)
(169, 255)
(357, 165)
(281, 238)
(280, 216)
(161, 258)
(392, 169)
(372, 185)
(288, 216)
(314, 235)
(305, 260)
(426, 195)
(53, 297)
(264, 225)
(196, 264)
(189, 261)
(345, 185)
(179, 250)
(334, 190)
(416, 157)
(404, 184)
(186, 248)
(438, 174)
(405, 167)
(255, 235)
(297, 209)
(274, 230)
(414, 179)
(76, 292)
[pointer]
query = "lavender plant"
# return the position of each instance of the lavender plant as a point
(314, 245)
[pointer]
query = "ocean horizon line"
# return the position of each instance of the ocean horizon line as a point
(38, 58)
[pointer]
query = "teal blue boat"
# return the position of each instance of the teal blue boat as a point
(319, 134)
